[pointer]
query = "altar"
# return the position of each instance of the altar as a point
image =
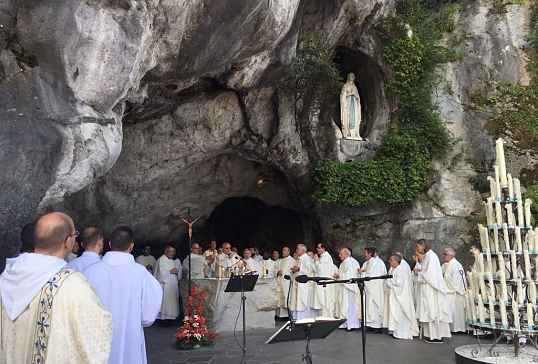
(221, 309)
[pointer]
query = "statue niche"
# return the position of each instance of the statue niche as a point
(350, 106)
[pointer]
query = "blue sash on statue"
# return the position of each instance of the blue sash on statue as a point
(352, 112)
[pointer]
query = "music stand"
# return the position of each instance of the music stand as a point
(293, 331)
(242, 284)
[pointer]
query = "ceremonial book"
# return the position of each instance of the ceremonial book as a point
(316, 319)
(318, 328)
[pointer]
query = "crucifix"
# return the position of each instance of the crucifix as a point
(189, 223)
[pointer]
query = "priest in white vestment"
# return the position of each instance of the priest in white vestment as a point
(324, 297)
(91, 240)
(227, 260)
(130, 293)
(49, 312)
(269, 265)
(400, 315)
(374, 291)
(348, 305)
(284, 269)
(167, 274)
(432, 302)
(146, 259)
(199, 266)
(211, 255)
(453, 274)
(301, 303)
(251, 265)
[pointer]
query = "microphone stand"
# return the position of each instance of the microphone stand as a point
(360, 284)
(290, 315)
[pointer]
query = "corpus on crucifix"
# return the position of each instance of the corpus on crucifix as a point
(189, 223)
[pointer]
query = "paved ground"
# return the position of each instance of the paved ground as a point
(338, 348)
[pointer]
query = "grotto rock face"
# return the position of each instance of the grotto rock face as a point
(130, 112)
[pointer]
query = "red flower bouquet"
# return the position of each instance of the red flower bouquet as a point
(194, 332)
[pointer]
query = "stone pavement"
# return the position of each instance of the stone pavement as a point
(338, 348)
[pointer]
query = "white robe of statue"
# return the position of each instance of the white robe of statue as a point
(455, 289)
(350, 106)
(348, 305)
(79, 327)
(133, 296)
(324, 297)
(401, 319)
(284, 265)
(169, 283)
(199, 267)
(301, 305)
(432, 302)
(375, 292)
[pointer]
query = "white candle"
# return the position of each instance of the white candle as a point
(489, 215)
(530, 316)
(501, 163)
(510, 187)
(488, 261)
(492, 188)
(509, 216)
(468, 304)
(481, 311)
(532, 292)
(506, 238)
(527, 265)
(486, 238)
(514, 263)
(530, 241)
(528, 203)
(491, 285)
(520, 295)
(473, 309)
(504, 290)
(518, 240)
(496, 239)
(482, 235)
(479, 260)
(520, 217)
(472, 282)
(504, 317)
(536, 265)
(498, 213)
(492, 312)
(515, 311)
(482, 283)
(497, 184)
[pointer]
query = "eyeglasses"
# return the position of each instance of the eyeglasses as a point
(75, 234)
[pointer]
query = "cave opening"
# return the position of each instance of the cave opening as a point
(247, 222)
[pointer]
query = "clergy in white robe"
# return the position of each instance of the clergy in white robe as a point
(400, 318)
(324, 297)
(251, 265)
(227, 260)
(432, 302)
(270, 267)
(92, 241)
(301, 303)
(453, 274)
(284, 269)
(167, 274)
(374, 290)
(130, 293)
(146, 259)
(211, 257)
(199, 266)
(348, 302)
(49, 312)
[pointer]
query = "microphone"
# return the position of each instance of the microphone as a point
(304, 279)
(287, 277)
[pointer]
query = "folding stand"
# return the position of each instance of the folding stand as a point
(293, 331)
(242, 284)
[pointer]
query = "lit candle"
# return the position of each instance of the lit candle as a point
(506, 238)
(528, 203)
(530, 316)
(504, 317)
(481, 311)
(498, 214)
(497, 184)
(527, 265)
(532, 292)
(491, 313)
(514, 263)
(510, 187)
(509, 215)
(515, 311)
(491, 285)
(501, 163)
(520, 295)
(496, 239)
(492, 188)
(518, 240)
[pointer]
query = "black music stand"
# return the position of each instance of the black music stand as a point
(293, 331)
(242, 284)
